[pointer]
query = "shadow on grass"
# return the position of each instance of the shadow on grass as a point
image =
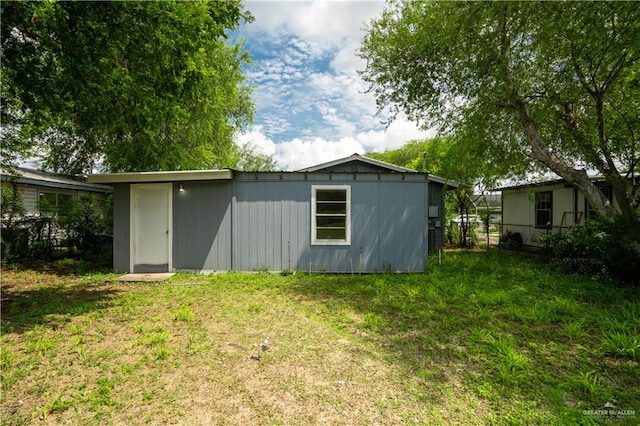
(52, 306)
(478, 326)
(66, 265)
(49, 293)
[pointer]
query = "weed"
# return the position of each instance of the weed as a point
(161, 353)
(372, 321)
(263, 269)
(588, 382)
(185, 313)
(624, 344)
(575, 330)
(6, 359)
(155, 339)
(512, 365)
(102, 395)
(38, 340)
(287, 272)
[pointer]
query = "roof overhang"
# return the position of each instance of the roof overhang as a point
(593, 179)
(166, 176)
(449, 184)
(27, 176)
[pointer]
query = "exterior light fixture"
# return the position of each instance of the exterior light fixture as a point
(181, 188)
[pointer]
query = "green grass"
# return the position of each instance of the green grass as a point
(484, 338)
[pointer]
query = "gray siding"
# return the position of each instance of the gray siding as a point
(272, 223)
(263, 221)
(202, 226)
(121, 224)
(436, 198)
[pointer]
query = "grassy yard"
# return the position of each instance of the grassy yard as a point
(484, 338)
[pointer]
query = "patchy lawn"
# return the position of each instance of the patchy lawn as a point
(486, 337)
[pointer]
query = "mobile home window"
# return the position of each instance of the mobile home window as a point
(331, 214)
(54, 202)
(544, 206)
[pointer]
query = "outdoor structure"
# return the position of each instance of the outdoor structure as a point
(41, 191)
(355, 214)
(539, 209)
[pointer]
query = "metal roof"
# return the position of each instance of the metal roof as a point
(227, 174)
(163, 176)
(35, 177)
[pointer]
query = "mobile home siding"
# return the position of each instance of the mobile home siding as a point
(121, 224)
(519, 211)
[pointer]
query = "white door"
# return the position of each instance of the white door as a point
(151, 227)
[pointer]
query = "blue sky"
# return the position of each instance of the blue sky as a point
(311, 105)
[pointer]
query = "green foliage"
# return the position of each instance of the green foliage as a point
(87, 223)
(511, 240)
(83, 227)
(598, 247)
(549, 82)
(136, 85)
(625, 344)
(13, 238)
(10, 204)
(251, 160)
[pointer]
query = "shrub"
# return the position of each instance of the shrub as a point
(598, 247)
(511, 241)
(85, 225)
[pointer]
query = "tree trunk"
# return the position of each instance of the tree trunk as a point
(578, 178)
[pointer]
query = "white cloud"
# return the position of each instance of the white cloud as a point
(299, 153)
(347, 60)
(319, 22)
(398, 133)
(256, 138)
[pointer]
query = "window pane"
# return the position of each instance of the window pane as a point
(47, 202)
(543, 208)
(64, 202)
(331, 222)
(331, 195)
(543, 218)
(332, 234)
(331, 219)
(331, 208)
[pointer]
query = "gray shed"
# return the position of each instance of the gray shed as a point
(355, 214)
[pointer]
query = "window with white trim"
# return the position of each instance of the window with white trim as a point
(331, 214)
(544, 209)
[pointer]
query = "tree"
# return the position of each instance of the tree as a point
(552, 82)
(128, 86)
(251, 159)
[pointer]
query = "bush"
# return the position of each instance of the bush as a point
(82, 228)
(598, 248)
(511, 241)
(85, 226)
